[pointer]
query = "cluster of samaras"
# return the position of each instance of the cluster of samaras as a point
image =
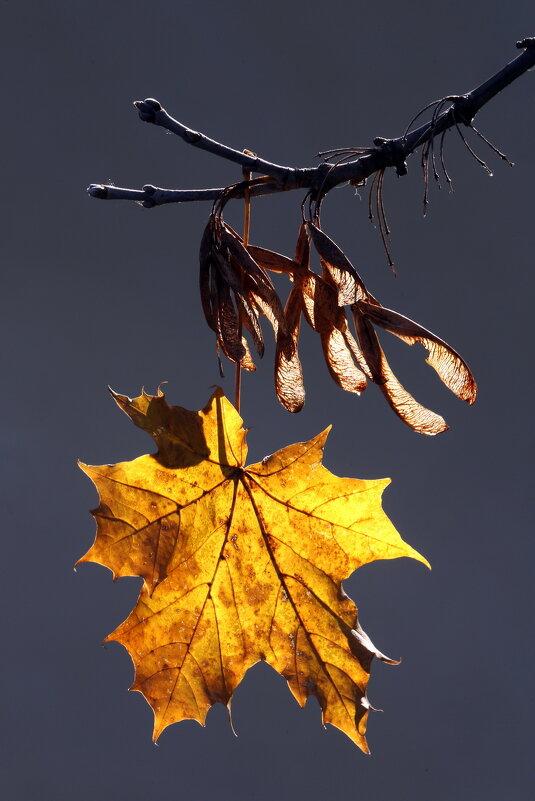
(236, 289)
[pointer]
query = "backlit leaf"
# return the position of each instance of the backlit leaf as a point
(240, 564)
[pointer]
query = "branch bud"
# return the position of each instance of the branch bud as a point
(147, 109)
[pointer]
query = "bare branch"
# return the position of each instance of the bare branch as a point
(150, 196)
(150, 110)
(320, 179)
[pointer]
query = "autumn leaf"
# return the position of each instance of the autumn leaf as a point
(240, 564)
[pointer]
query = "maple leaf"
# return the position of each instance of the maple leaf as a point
(240, 564)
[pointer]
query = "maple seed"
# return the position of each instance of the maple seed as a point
(239, 564)
(448, 364)
(228, 267)
(235, 290)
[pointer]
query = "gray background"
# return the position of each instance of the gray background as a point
(97, 293)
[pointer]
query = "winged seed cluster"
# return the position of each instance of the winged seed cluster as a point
(236, 289)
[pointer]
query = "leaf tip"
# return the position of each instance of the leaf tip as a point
(419, 558)
(383, 483)
(318, 443)
(121, 400)
(322, 436)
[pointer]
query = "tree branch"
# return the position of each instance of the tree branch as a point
(320, 179)
(150, 196)
(150, 110)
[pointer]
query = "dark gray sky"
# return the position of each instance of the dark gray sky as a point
(106, 293)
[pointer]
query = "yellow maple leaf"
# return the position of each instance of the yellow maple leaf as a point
(240, 564)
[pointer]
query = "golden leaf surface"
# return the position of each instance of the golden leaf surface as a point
(240, 564)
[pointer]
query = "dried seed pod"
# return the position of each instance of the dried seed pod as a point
(448, 364)
(289, 384)
(206, 277)
(356, 351)
(325, 316)
(234, 289)
(302, 248)
(257, 284)
(251, 321)
(344, 276)
(270, 260)
(233, 345)
(368, 342)
(450, 367)
(253, 274)
(404, 405)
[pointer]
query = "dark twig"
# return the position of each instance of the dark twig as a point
(383, 222)
(151, 196)
(150, 110)
(390, 153)
(473, 153)
(443, 163)
(492, 147)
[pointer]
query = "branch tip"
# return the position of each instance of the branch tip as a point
(97, 190)
(523, 44)
(148, 108)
